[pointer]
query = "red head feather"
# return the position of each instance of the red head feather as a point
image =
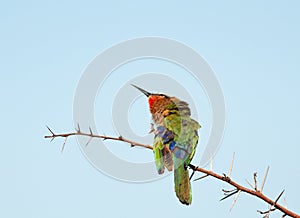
(152, 99)
(156, 102)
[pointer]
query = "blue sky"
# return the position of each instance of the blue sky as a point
(253, 47)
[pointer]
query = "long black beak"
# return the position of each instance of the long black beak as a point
(142, 90)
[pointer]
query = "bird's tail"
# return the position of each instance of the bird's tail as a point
(182, 185)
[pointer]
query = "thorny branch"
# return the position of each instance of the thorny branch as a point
(92, 135)
(225, 178)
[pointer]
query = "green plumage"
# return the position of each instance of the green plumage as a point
(177, 122)
(175, 141)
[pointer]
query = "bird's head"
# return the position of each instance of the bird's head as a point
(157, 102)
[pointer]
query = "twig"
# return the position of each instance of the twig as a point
(272, 208)
(267, 213)
(79, 133)
(255, 181)
(247, 190)
(224, 178)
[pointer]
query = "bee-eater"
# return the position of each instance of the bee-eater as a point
(175, 140)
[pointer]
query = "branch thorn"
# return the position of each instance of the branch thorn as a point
(279, 197)
(229, 194)
(255, 180)
(231, 165)
(88, 142)
(78, 128)
(202, 177)
(265, 178)
(250, 184)
(63, 146)
(235, 199)
(50, 131)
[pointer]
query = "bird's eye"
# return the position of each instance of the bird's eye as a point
(164, 95)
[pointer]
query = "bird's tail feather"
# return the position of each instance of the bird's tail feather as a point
(183, 185)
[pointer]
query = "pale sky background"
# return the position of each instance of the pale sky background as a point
(253, 46)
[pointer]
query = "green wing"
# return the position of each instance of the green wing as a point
(162, 153)
(185, 132)
(185, 141)
(158, 154)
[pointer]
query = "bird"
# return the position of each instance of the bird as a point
(175, 139)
